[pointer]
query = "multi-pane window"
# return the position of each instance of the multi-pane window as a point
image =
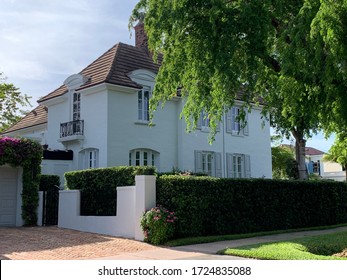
(92, 159)
(143, 97)
(89, 158)
(235, 123)
(205, 121)
(238, 166)
(207, 163)
(238, 169)
(143, 157)
(76, 106)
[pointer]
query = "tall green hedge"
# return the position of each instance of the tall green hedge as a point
(211, 206)
(48, 181)
(99, 187)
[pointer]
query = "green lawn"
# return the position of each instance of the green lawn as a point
(320, 247)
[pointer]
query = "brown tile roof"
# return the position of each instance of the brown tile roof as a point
(35, 117)
(309, 151)
(112, 67)
(313, 152)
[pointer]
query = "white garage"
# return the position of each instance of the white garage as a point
(10, 196)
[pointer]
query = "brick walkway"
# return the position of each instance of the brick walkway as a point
(52, 243)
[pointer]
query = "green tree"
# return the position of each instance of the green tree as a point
(11, 99)
(292, 54)
(283, 163)
(338, 151)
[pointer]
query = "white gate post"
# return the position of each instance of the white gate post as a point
(145, 199)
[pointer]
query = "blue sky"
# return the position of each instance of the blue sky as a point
(43, 42)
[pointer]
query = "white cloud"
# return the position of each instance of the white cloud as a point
(43, 42)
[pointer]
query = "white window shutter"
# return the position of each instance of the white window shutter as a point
(247, 166)
(230, 166)
(198, 161)
(218, 164)
(245, 128)
(228, 117)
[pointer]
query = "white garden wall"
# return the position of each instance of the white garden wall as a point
(132, 201)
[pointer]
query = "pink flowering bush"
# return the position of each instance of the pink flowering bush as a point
(158, 225)
(27, 154)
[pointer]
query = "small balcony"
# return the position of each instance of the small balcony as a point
(71, 131)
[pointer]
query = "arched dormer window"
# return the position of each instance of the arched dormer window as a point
(76, 106)
(73, 82)
(146, 79)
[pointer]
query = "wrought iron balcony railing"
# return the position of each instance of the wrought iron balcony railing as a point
(71, 128)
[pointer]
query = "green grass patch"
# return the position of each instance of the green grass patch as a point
(209, 239)
(320, 247)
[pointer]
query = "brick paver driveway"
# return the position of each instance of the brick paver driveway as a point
(52, 243)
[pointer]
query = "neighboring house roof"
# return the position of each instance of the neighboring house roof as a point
(35, 117)
(112, 67)
(309, 151)
(313, 152)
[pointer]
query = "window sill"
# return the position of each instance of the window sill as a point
(205, 129)
(144, 123)
(237, 134)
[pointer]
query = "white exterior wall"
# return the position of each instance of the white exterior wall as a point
(94, 113)
(57, 113)
(126, 133)
(257, 144)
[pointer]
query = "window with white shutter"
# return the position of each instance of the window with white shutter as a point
(234, 125)
(209, 163)
(238, 166)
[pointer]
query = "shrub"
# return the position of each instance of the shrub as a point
(158, 225)
(27, 154)
(99, 186)
(212, 206)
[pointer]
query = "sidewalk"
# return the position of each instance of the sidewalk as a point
(207, 251)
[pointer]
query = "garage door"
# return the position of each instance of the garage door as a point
(8, 196)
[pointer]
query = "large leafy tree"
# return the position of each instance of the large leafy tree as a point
(290, 53)
(11, 103)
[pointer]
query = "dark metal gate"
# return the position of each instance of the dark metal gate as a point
(50, 206)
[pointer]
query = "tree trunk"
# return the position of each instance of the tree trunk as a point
(346, 171)
(300, 153)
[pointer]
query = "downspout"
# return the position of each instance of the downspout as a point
(223, 148)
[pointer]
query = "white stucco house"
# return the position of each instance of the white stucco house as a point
(100, 117)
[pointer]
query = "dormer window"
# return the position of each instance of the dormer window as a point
(143, 103)
(76, 106)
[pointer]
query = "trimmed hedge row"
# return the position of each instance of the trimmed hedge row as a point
(99, 186)
(48, 182)
(212, 206)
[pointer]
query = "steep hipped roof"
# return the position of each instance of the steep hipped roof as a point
(112, 67)
(35, 117)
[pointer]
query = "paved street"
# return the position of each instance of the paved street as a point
(52, 243)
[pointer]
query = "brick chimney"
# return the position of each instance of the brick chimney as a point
(141, 40)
